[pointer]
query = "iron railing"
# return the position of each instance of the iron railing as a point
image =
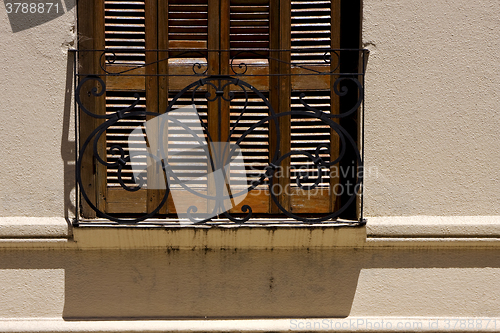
(344, 67)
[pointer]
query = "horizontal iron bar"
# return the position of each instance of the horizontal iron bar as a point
(255, 222)
(235, 75)
(219, 50)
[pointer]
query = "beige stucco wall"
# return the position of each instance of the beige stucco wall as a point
(431, 147)
(35, 116)
(432, 107)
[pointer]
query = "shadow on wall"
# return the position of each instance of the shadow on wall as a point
(25, 15)
(68, 144)
(221, 284)
(211, 284)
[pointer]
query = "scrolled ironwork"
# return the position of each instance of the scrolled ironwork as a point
(224, 88)
(107, 58)
(327, 58)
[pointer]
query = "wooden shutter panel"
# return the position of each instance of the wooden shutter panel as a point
(249, 28)
(125, 33)
(187, 24)
(314, 33)
(186, 29)
(249, 24)
(176, 25)
(125, 30)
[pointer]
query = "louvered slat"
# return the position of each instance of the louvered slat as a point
(124, 30)
(249, 25)
(309, 133)
(118, 135)
(125, 34)
(189, 164)
(311, 29)
(255, 146)
(188, 24)
(249, 28)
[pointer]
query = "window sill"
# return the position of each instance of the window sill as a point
(262, 237)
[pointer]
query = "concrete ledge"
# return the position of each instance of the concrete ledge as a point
(433, 227)
(354, 324)
(34, 227)
(399, 231)
(192, 238)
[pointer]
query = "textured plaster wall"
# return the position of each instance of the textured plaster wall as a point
(34, 116)
(243, 284)
(432, 107)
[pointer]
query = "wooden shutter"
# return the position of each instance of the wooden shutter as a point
(249, 24)
(249, 28)
(188, 24)
(314, 30)
(125, 32)
(310, 29)
(203, 25)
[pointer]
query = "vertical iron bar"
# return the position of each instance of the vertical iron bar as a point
(77, 135)
(362, 135)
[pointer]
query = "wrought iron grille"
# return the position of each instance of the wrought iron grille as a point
(237, 85)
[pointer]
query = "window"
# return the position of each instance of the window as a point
(145, 53)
